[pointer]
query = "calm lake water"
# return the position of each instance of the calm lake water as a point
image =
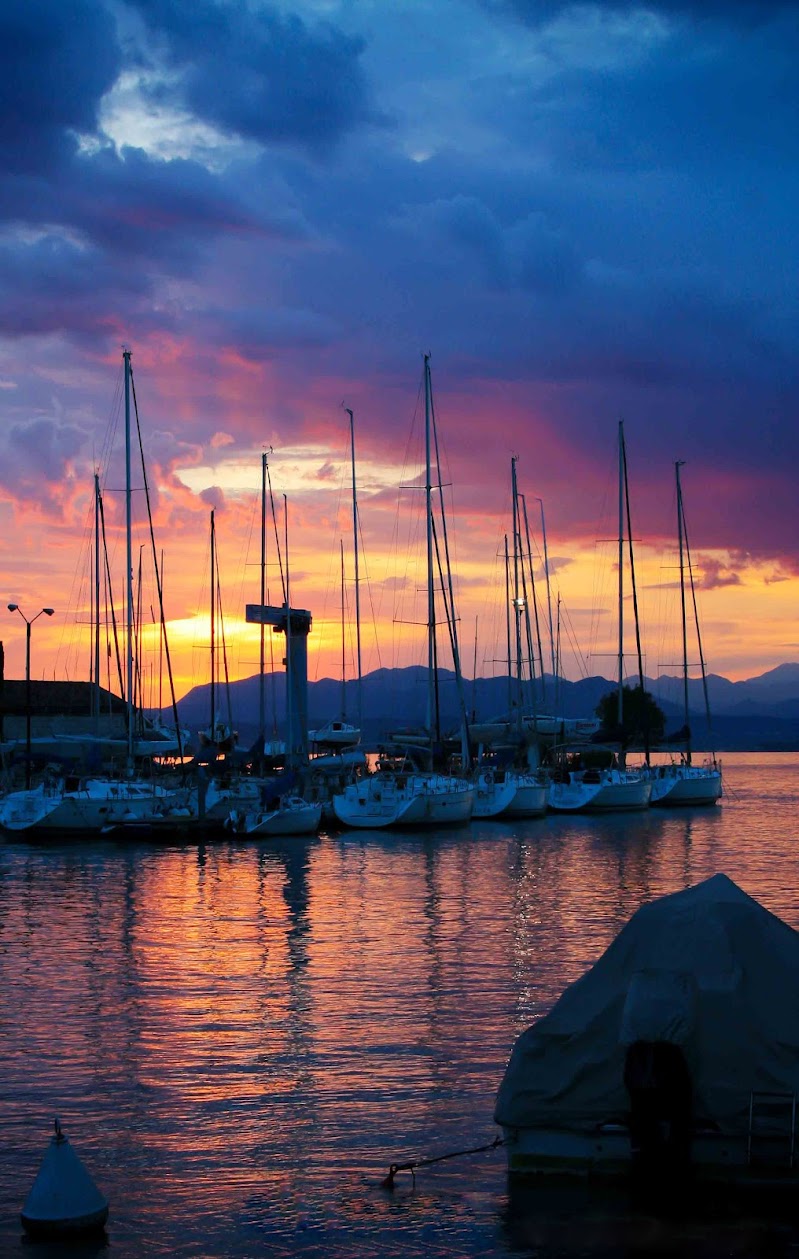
(240, 1038)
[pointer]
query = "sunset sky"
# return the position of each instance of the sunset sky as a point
(585, 213)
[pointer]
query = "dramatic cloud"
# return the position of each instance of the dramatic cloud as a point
(263, 74)
(585, 212)
(56, 62)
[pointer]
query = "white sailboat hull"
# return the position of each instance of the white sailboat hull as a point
(97, 806)
(385, 799)
(294, 817)
(685, 785)
(531, 798)
(610, 791)
(492, 796)
(440, 801)
(509, 793)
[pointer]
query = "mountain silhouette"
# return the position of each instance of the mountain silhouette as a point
(761, 713)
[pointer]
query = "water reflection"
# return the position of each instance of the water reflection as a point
(246, 1035)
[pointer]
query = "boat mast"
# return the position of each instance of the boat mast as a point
(129, 565)
(261, 680)
(432, 704)
(213, 628)
(474, 675)
(636, 618)
(620, 707)
(343, 643)
(289, 761)
(96, 690)
(702, 663)
(678, 464)
(355, 524)
(517, 601)
(507, 627)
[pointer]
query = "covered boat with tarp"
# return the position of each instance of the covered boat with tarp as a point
(678, 1050)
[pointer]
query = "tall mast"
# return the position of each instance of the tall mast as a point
(289, 690)
(636, 618)
(343, 644)
(702, 663)
(620, 710)
(432, 713)
(161, 665)
(357, 572)
(261, 680)
(213, 628)
(129, 565)
(96, 689)
(517, 601)
(507, 627)
(678, 464)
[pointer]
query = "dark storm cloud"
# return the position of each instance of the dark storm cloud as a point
(119, 225)
(56, 62)
(95, 230)
(262, 74)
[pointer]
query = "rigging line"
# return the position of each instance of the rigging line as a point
(449, 613)
(534, 599)
(571, 634)
(330, 580)
(110, 589)
(698, 634)
(158, 582)
(374, 613)
(278, 550)
(644, 708)
(222, 636)
(454, 634)
(539, 608)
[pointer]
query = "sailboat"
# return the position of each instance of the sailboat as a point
(282, 815)
(682, 782)
(97, 804)
(400, 793)
(578, 784)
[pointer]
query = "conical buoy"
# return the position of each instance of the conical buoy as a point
(63, 1199)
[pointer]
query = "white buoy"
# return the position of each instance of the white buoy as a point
(63, 1198)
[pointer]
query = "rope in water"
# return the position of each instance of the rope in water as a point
(388, 1183)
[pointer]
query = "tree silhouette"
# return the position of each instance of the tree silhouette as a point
(643, 720)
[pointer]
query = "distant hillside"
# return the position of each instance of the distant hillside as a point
(761, 713)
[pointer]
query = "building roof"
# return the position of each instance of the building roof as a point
(55, 699)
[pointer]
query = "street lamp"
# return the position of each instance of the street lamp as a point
(14, 607)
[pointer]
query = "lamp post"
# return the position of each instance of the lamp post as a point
(14, 607)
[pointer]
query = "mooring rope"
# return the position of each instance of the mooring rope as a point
(388, 1183)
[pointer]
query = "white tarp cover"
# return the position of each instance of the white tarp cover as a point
(733, 971)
